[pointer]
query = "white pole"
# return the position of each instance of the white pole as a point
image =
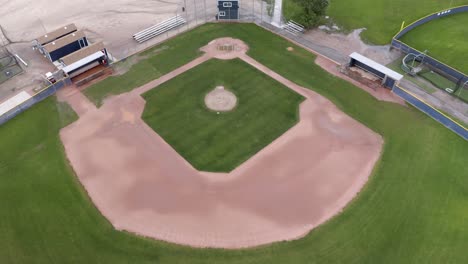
(461, 88)
(19, 58)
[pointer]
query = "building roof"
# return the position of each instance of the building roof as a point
(63, 41)
(84, 61)
(391, 73)
(53, 35)
(82, 53)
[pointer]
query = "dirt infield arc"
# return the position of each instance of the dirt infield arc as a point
(140, 184)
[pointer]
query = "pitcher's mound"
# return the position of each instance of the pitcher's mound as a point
(220, 100)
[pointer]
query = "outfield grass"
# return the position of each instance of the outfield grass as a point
(219, 142)
(413, 209)
(446, 40)
(383, 18)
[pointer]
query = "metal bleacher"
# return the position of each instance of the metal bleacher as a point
(293, 27)
(159, 29)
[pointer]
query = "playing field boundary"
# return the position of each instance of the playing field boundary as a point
(432, 112)
(457, 75)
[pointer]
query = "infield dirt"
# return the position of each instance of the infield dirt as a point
(142, 185)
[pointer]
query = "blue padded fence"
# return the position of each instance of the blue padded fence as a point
(52, 89)
(438, 116)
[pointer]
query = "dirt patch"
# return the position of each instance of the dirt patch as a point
(225, 48)
(220, 100)
(347, 44)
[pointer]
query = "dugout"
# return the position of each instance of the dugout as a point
(84, 60)
(389, 77)
(228, 10)
(65, 45)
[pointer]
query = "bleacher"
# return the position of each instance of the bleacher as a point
(159, 29)
(293, 27)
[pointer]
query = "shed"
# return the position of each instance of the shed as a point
(58, 33)
(65, 45)
(228, 10)
(389, 77)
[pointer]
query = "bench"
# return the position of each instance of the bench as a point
(159, 29)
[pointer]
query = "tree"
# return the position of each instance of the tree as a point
(311, 12)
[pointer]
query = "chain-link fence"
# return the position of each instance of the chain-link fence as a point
(199, 12)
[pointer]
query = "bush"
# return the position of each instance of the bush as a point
(305, 12)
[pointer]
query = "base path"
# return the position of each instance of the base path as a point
(142, 185)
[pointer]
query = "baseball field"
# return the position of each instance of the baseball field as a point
(412, 209)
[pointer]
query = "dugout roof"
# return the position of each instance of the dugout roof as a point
(377, 66)
(83, 62)
(82, 53)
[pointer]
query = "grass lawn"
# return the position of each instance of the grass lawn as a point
(446, 39)
(438, 80)
(383, 18)
(221, 142)
(413, 209)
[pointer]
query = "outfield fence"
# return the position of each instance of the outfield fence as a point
(451, 73)
(432, 112)
(38, 97)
